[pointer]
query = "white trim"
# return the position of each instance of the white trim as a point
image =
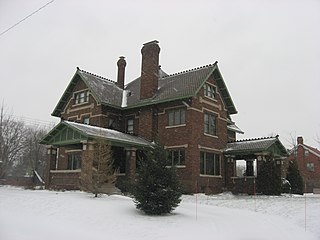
(202, 100)
(80, 108)
(73, 150)
(170, 108)
(310, 150)
(177, 146)
(210, 149)
(211, 176)
(65, 171)
(210, 135)
(174, 126)
(176, 166)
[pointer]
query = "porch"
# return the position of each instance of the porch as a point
(71, 151)
(252, 153)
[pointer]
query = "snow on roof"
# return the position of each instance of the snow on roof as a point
(108, 134)
(234, 128)
(251, 144)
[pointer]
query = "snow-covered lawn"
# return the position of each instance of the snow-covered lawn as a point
(41, 214)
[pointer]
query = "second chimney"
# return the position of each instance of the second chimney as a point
(121, 71)
(149, 69)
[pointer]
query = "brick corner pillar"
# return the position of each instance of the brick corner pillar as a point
(86, 164)
(131, 160)
(50, 164)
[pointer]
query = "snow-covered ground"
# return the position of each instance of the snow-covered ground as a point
(41, 214)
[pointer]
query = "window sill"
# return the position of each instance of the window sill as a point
(211, 176)
(174, 126)
(66, 171)
(79, 104)
(210, 135)
(177, 166)
(212, 99)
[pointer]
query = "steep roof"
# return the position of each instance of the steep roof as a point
(258, 145)
(171, 87)
(312, 150)
(180, 85)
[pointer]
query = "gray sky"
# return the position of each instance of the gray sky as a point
(268, 53)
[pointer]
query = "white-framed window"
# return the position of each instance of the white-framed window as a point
(209, 124)
(130, 126)
(306, 153)
(310, 167)
(210, 164)
(86, 120)
(176, 157)
(82, 97)
(74, 161)
(209, 90)
(176, 117)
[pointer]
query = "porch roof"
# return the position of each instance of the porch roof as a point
(258, 146)
(67, 133)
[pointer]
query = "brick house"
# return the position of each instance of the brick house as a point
(189, 112)
(308, 160)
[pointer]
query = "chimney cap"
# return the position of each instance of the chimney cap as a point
(151, 42)
(300, 140)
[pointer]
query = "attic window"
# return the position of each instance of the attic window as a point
(82, 97)
(209, 90)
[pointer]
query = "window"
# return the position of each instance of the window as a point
(82, 97)
(130, 126)
(209, 164)
(113, 123)
(86, 120)
(74, 161)
(209, 124)
(209, 90)
(176, 157)
(306, 153)
(176, 117)
(310, 167)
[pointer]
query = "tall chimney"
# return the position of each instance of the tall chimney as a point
(121, 70)
(149, 69)
(300, 140)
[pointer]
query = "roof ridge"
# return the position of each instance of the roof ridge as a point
(190, 70)
(255, 139)
(103, 78)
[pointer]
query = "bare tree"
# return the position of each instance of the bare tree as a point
(12, 136)
(33, 154)
(103, 174)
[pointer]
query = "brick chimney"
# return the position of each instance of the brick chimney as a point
(300, 140)
(149, 69)
(121, 70)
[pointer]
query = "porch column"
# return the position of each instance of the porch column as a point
(131, 162)
(86, 164)
(50, 164)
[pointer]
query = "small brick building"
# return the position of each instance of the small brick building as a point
(308, 160)
(190, 112)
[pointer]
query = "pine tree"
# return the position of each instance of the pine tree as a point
(157, 190)
(294, 177)
(269, 179)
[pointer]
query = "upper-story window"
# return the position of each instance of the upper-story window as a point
(176, 157)
(209, 124)
(82, 97)
(86, 120)
(209, 90)
(130, 126)
(176, 117)
(306, 153)
(310, 167)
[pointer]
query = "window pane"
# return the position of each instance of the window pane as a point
(171, 118)
(182, 157)
(217, 165)
(182, 116)
(202, 165)
(177, 117)
(175, 157)
(209, 164)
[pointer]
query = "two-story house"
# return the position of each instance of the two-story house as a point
(308, 161)
(189, 112)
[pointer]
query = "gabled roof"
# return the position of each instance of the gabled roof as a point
(180, 85)
(171, 87)
(255, 146)
(105, 91)
(312, 150)
(66, 133)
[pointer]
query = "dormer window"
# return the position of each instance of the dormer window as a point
(209, 90)
(82, 97)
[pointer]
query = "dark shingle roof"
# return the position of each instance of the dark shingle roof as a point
(171, 87)
(254, 146)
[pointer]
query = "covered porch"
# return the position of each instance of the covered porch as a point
(252, 153)
(70, 153)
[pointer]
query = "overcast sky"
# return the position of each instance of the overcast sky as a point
(268, 53)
